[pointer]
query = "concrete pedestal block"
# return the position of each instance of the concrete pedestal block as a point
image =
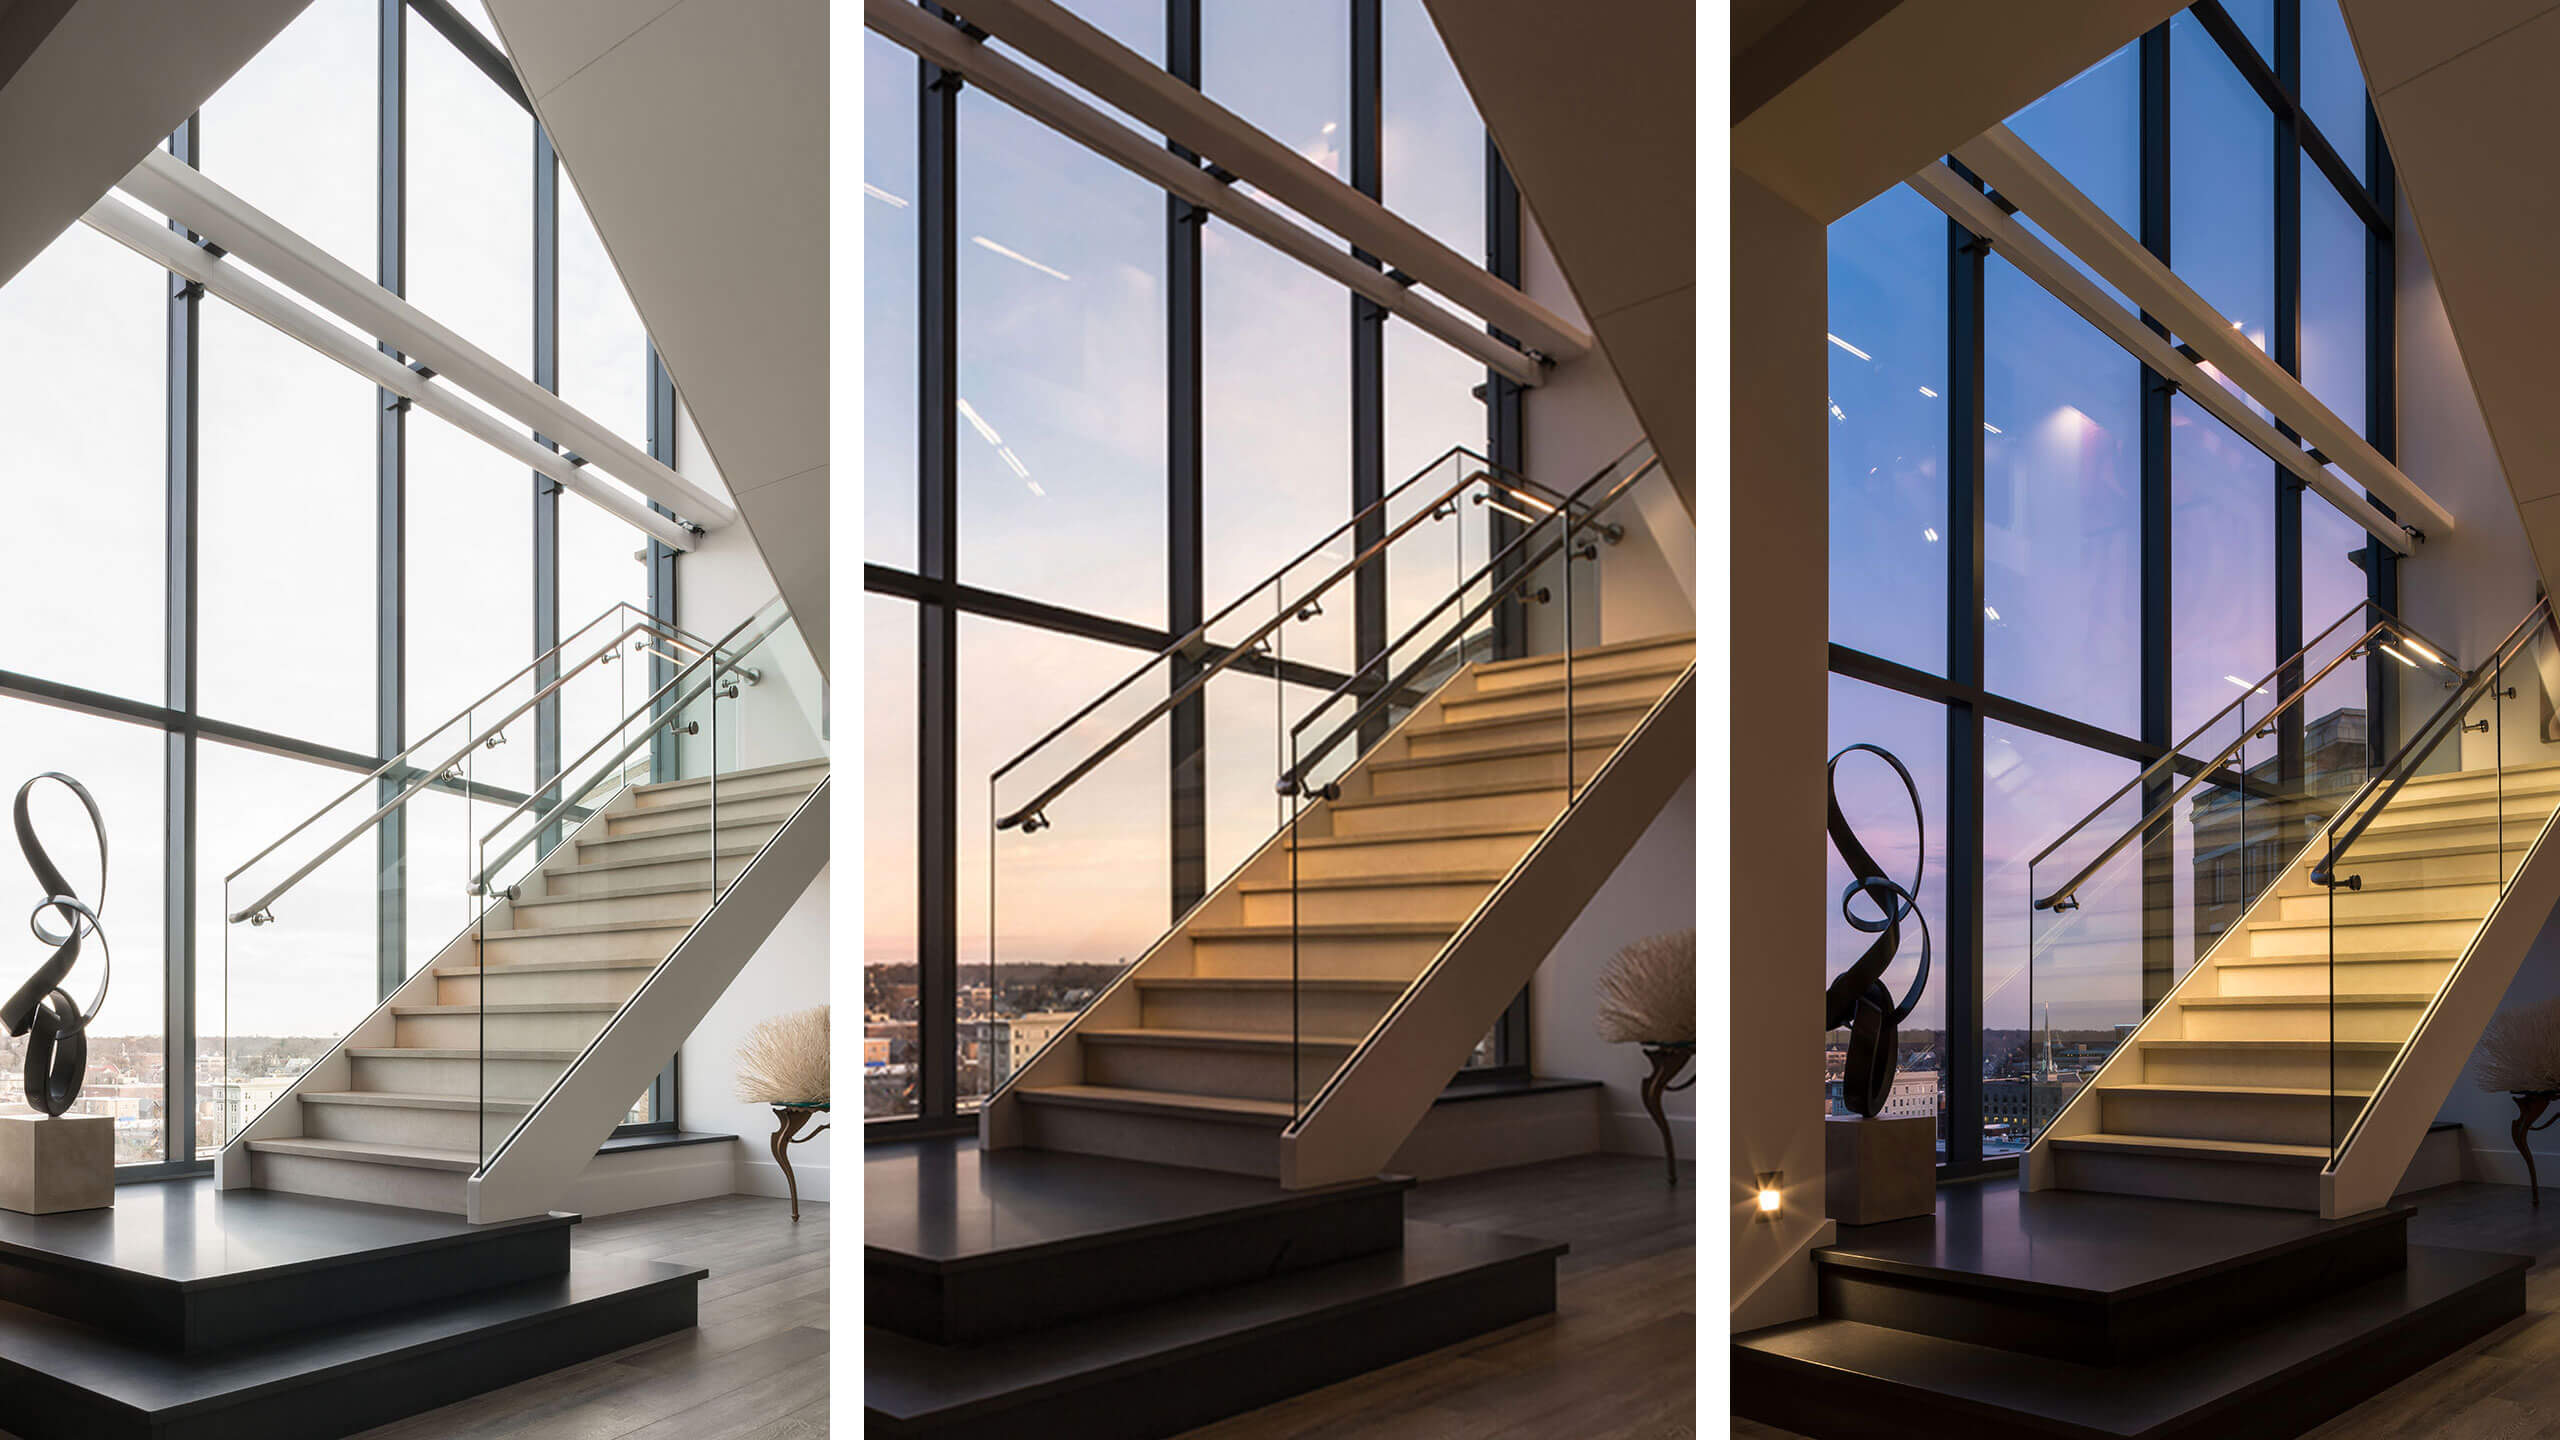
(60, 1162)
(1879, 1170)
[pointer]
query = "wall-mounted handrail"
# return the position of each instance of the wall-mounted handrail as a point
(428, 775)
(1294, 778)
(658, 718)
(1479, 469)
(2378, 793)
(2061, 898)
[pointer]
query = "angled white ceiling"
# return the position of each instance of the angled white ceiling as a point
(87, 87)
(696, 132)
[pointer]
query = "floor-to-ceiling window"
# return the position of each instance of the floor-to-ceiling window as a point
(257, 579)
(1093, 417)
(2140, 566)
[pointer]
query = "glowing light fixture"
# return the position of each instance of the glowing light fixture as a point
(1925, 390)
(1930, 534)
(2389, 649)
(1990, 612)
(983, 243)
(1845, 345)
(1987, 425)
(876, 193)
(2421, 649)
(2245, 685)
(1768, 1195)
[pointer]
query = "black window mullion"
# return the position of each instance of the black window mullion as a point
(1185, 602)
(546, 491)
(937, 557)
(391, 485)
(1368, 349)
(2288, 353)
(1962, 1057)
(2159, 848)
(178, 1138)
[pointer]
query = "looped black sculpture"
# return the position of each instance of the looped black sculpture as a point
(58, 1029)
(1858, 999)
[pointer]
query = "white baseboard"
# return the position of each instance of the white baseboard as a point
(2501, 1165)
(751, 1176)
(640, 1179)
(1631, 1132)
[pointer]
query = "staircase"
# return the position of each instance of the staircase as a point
(608, 910)
(513, 1002)
(1208, 1048)
(2251, 1081)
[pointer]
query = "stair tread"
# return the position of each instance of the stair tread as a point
(543, 967)
(2156, 1087)
(1448, 832)
(454, 1052)
(728, 794)
(1614, 647)
(2393, 917)
(752, 772)
(529, 1007)
(592, 927)
(2367, 1046)
(411, 1100)
(607, 867)
(2353, 957)
(1466, 792)
(628, 892)
(1373, 881)
(2262, 1150)
(1665, 671)
(413, 1156)
(1115, 1097)
(1497, 722)
(1504, 752)
(1353, 931)
(2253, 1002)
(1268, 982)
(1215, 1039)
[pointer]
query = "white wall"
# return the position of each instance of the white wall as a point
(1653, 892)
(789, 973)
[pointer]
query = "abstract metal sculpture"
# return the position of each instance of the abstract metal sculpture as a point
(1858, 999)
(57, 1029)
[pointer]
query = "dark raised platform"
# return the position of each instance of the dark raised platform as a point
(962, 1245)
(1022, 1292)
(186, 1312)
(2063, 1313)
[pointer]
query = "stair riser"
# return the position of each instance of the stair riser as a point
(1532, 807)
(1263, 1012)
(1154, 1139)
(1442, 904)
(408, 1128)
(1588, 689)
(1611, 727)
(2479, 869)
(517, 947)
(425, 1075)
(803, 778)
(686, 906)
(2514, 807)
(542, 987)
(560, 1030)
(1648, 657)
(2465, 901)
(1460, 774)
(695, 817)
(2310, 1020)
(1413, 857)
(2396, 938)
(2286, 1187)
(2313, 977)
(1199, 1070)
(1382, 958)
(441, 1190)
(689, 842)
(668, 872)
(2512, 785)
(2275, 1119)
(2387, 841)
(2290, 1070)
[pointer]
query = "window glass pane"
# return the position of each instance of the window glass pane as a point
(122, 767)
(469, 611)
(2332, 83)
(2334, 555)
(2333, 268)
(2222, 207)
(470, 207)
(1888, 352)
(285, 535)
(2090, 129)
(294, 132)
(889, 1063)
(604, 349)
(1075, 901)
(1872, 801)
(2222, 588)
(1284, 67)
(1062, 376)
(1431, 409)
(889, 356)
(83, 389)
(1431, 149)
(2061, 508)
(2257, 21)
(2033, 788)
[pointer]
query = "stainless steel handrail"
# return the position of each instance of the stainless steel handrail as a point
(2060, 898)
(659, 720)
(1294, 778)
(428, 775)
(2402, 767)
(1282, 614)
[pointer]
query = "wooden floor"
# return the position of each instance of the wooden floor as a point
(1615, 1362)
(2504, 1386)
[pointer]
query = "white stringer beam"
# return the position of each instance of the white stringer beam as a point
(177, 190)
(1140, 89)
(2054, 271)
(156, 242)
(1014, 83)
(2012, 167)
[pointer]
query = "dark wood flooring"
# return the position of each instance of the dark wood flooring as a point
(754, 1369)
(2503, 1386)
(1616, 1361)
